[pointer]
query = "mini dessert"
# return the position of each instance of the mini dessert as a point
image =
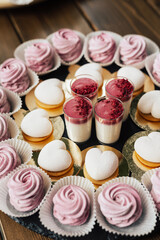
(93, 69)
(49, 94)
(71, 205)
(39, 56)
(155, 191)
(36, 126)
(147, 150)
(4, 131)
(108, 119)
(85, 86)
(14, 75)
(122, 89)
(9, 159)
(132, 49)
(68, 44)
(55, 159)
(136, 76)
(100, 166)
(120, 204)
(156, 68)
(101, 48)
(148, 106)
(4, 103)
(78, 118)
(26, 189)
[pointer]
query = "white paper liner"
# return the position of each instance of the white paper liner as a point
(151, 47)
(82, 37)
(19, 53)
(146, 181)
(5, 205)
(46, 211)
(14, 100)
(12, 126)
(117, 38)
(149, 67)
(34, 80)
(144, 225)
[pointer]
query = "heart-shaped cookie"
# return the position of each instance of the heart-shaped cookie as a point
(54, 157)
(37, 124)
(101, 165)
(149, 103)
(148, 147)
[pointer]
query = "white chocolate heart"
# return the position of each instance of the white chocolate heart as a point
(149, 103)
(50, 92)
(148, 147)
(36, 123)
(136, 76)
(54, 157)
(101, 165)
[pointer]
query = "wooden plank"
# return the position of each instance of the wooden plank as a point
(123, 17)
(46, 18)
(8, 38)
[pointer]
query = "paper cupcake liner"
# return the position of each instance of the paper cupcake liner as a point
(6, 206)
(149, 67)
(14, 100)
(82, 37)
(12, 126)
(19, 53)
(151, 47)
(46, 211)
(144, 225)
(117, 38)
(146, 181)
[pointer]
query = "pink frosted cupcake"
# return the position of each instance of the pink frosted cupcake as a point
(101, 48)
(4, 103)
(156, 68)
(14, 75)
(132, 49)
(67, 44)
(39, 56)
(4, 131)
(155, 191)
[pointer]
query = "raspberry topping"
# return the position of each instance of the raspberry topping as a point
(84, 86)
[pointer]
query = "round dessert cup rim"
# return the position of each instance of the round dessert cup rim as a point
(104, 97)
(78, 96)
(83, 76)
(119, 77)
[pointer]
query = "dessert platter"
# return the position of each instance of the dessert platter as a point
(74, 160)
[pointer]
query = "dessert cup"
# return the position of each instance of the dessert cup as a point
(78, 118)
(121, 88)
(108, 127)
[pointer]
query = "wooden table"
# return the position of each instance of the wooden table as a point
(38, 21)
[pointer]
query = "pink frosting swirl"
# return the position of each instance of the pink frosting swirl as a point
(71, 205)
(39, 56)
(67, 44)
(156, 68)
(102, 48)
(4, 131)
(14, 75)
(26, 189)
(4, 104)
(9, 159)
(155, 191)
(120, 204)
(132, 49)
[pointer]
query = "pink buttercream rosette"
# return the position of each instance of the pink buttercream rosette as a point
(100, 47)
(133, 50)
(152, 65)
(6, 205)
(38, 55)
(46, 211)
(69, 45)
(147, 221)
